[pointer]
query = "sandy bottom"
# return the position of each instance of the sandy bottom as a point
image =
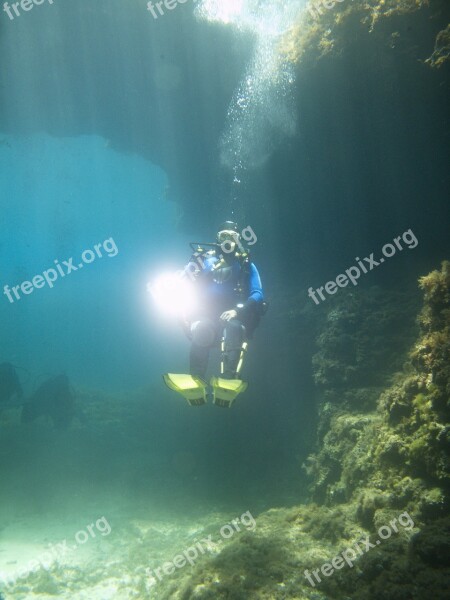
(101, 555)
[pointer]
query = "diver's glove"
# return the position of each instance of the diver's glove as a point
(228, 315)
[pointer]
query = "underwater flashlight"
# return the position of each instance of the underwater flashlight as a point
(173, 293)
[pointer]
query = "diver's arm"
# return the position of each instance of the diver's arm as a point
(199, 265)
(256, 295)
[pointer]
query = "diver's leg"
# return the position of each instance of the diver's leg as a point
(204, 336)
(235, 336)
(198, 359)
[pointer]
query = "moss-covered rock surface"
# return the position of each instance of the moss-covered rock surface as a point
(417, 28)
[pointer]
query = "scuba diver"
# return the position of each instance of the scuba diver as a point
(229, 303)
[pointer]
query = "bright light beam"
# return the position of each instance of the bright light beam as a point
(173, 294)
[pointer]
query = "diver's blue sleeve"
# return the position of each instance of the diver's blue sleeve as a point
(256, 294)
(256, 291)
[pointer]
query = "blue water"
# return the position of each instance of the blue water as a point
(64, 196)
(131, 136)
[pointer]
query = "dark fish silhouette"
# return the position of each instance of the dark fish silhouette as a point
(9, 383)
(54, 399)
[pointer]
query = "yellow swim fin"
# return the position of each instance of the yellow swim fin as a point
(226, 390)
(193, 389)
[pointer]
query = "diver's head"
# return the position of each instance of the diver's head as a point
(228, 236)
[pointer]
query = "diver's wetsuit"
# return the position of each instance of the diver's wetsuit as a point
(221, 290)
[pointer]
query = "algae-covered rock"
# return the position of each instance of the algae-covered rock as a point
(441, 53)
(431, 354)
(407, 434)
(362, 341)
(432, 544)
(332, 27)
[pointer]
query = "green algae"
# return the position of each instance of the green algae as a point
(441, 52)
(388, 21)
